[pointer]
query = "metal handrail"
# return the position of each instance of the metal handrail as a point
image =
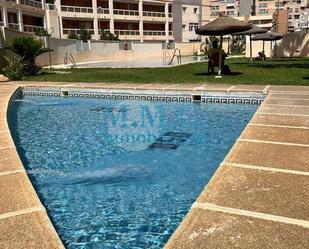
(32, 28)
(174, 55)
(76, 9)
(126, 12)
(31, 3)
(153, 13)
(166, 55)
(154, 33)
(127, 32)
(101, 10)
(76, 31)
(69, 56)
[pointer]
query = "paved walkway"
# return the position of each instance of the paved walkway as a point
(258, 197)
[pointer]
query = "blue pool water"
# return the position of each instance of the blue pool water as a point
(121, 174)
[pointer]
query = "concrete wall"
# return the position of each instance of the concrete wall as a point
(292, 45)
(188, 48)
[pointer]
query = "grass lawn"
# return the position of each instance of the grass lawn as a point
(277, 72)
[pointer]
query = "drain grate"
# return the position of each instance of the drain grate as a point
(170, 140)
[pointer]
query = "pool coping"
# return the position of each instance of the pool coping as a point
(281, 121)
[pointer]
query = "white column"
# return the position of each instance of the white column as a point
(95, 20)
(166, 22)
(20, 20)
(141, 22)
(5, 17)
(111, 14)
(43, 4)
(58, 9)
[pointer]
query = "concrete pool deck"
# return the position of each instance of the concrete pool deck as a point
(258, 197)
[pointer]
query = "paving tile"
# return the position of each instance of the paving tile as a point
(280, 120)
(27, 231)
(9, 160)
(289, 96)
(16, 193)
(277, 134)
(248, 88)
(184, 87)
(259, 191)
(289, 88)
(217, 87)
(3, 126)
(301, 110)
(6, 140)
(270, 155)
(216, 230)
(300, 102)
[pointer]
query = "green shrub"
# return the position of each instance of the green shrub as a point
(14, 68)
(84, 34)
(42, 33)
(28, 48)
(73, 36)
(108, 36)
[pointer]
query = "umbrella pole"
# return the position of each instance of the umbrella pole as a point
(220, 58)
(250, 49)
(263, 46)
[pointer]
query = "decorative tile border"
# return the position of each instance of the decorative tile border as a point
(145, 95)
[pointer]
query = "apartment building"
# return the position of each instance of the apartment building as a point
(136, 20)
(23, 15)
(227, 7)
(187, 18)
(294, 8)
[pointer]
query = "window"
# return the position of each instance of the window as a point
(183, 26)
(195, 10)
(184, 9)
(193, 26)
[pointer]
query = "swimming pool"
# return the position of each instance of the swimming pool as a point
(140, 62)
(121, 173)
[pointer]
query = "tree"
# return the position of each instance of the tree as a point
(84, 34)
(108, 36)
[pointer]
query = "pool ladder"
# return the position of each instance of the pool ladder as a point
(177, 56)
(69, 57)
(167, 56)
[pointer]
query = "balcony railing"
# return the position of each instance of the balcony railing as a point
(102, 10)
(31, 3)
(127, 32)
(154, 33)
(13, 1)
(14, 26)
(126, 12)
(75, 31)
(50, 6)
(76, 9)
(170, 15)
(153, 14)
(32, 28)
(1, 24)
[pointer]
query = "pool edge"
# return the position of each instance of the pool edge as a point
(180, 238)
(24, 222)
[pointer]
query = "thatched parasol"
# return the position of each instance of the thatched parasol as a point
(254, 30)
(223, 25)
(269, 36)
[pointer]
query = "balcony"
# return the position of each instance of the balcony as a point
(123, 12)
(67, 31)
(76, 9)
(32, 28)
(127, 32)
(101, 10)
(14, 26)
(153, 14)
(1, 24)
(31, 3)
(154, 33)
